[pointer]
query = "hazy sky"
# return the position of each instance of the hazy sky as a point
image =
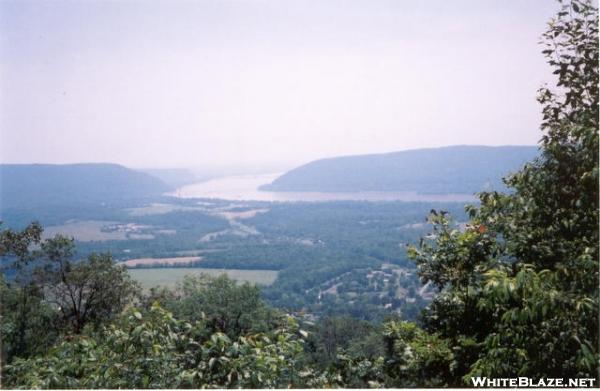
(222, 83)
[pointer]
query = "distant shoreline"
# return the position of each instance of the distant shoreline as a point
(246, 188)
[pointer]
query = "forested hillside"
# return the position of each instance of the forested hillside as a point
(175, 177)
(47, 185)
(457, 169)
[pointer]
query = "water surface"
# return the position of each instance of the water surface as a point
(245, 188)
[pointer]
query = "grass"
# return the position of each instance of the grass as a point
(85, 231)
(160, 261)
(169, 277)
(159, 209)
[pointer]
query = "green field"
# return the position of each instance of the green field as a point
(159, 209)
(169, 277)
(85, 231)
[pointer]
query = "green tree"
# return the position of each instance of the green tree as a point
(223, 305)
(519, 286)
(334, 335)
(23, 312)
(415, 358)
(45, 290)
(92, 291)
(18, 244)
(28, 324)
(153, 349)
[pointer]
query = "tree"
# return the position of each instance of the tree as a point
(333, 335)
(24, 315)
(43, 290)
(519, 285)
(18, 244)
(91, 291)
(415, 358)
(24, 312)
(153, 349)
(223, 305)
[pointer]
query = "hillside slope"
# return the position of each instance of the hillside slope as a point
(173, 177)
(32, 185)
(455, 169)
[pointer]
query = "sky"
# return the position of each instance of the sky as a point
(264, 84)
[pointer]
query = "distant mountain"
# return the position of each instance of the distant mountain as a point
(174, 177)
(455, 169)
(34, 185)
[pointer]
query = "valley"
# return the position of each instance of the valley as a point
(314, 257)
(336, 250)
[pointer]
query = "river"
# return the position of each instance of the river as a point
(245, 188)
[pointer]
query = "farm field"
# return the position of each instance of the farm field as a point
(160, 208)
(160, 261)
(85, 231)
(169, 277)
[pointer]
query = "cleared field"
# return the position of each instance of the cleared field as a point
(160, 261)
(85, 231)
(169, 277)
(195, 253)
(159, 209)
(247, 214)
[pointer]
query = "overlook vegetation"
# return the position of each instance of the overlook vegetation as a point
(513, 291)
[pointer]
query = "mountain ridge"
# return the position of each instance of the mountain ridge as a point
(30, 185)
(450, 169)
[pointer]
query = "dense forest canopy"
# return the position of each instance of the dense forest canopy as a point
(516, 287)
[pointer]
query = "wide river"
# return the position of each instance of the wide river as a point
(245, 188)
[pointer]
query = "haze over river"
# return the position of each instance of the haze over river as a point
(245, 188)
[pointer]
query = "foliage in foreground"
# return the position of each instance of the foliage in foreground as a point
(518, 287)
(51, 293)
(155, 350)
